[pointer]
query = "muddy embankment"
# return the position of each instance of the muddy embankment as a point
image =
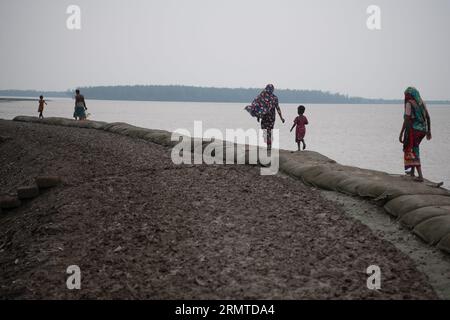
(421, 207)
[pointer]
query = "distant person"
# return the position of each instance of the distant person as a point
(41, 107)
(80, 106)
(300, 122)
(416, 126)
(263, 108)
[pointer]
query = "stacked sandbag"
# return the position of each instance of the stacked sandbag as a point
(291, 167)
(414, 217)
(63, 122)
(306, 166)
(399, 186)
(444, 244)
(327, 179)
(163, 138)
(349, 185)
(434, 229)
(156, 136)
(407, 203)
(427, 214)
(325, 174)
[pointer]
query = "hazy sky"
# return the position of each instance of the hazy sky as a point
(310, 44)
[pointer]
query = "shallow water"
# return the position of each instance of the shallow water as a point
(359, 135)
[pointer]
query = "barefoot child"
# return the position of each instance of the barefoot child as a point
(300, 123)
(41, 106)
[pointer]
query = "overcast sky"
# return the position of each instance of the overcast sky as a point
(310, 44)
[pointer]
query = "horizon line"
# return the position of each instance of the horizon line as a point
(346, 95)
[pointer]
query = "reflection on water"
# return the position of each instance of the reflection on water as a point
(359, 135)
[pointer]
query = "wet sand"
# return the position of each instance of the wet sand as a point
(141, 227)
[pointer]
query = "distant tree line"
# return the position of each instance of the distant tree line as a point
(34, 93)
(201, 94)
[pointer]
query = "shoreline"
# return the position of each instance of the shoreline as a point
(310, 160)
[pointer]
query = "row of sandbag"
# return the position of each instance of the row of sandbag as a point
(231, 153)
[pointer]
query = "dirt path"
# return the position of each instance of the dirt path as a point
(140, 227)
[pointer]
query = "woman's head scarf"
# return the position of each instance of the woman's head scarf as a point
(265, 102)
(412, 96)
(412, 93)
(270, 88)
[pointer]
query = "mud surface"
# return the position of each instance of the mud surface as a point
(139, 226)
(433, 262)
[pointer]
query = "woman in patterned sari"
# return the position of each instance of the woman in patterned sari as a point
(416, 126)
(263, 108)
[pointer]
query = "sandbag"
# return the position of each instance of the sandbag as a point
(329, 180)
(306, 157)
(98, 125)
(116, 127)
(413, 218)
(293, 168)
(434, 229)
(57, 121)
(156, 136)
(402, 187)
(23, 118)
(87, 124)
(444, 244)
(407, 203)
(372, 189)
(110, 126)
(349, 185)
(313, 172)
(135, 132)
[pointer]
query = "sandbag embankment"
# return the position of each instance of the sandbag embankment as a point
(63, 122)
(161, 137)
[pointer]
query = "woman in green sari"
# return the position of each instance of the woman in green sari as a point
(416, 126)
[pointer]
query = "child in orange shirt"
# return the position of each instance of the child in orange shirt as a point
(41, 107)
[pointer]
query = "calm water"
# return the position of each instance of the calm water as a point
(360, 135)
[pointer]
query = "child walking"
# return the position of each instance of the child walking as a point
(300, 122)
(41, 107)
